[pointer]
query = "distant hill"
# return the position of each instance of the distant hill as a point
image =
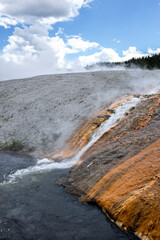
(149, 62)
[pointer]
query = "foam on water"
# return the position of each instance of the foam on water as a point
(44, 165)
(111, 122)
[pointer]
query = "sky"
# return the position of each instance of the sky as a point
(50, 36)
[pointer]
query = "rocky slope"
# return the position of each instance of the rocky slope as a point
(38, 114)
(121, 171)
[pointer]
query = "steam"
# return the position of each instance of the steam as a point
(46, 165)
(59, 103)
(141, 83)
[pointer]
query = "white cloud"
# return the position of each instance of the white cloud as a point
(132, 52)
(157, 51)
(110, 55)
(31, 51)
(116, 40)
(32, 43)
(7, 21)
(60, 31)
(106, 55)
(30, 54)
(86, 3)
(79, 44)
(43, 11)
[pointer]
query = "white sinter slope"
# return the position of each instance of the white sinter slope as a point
(47, 165)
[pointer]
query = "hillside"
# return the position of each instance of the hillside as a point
(120, 171)
(105, 126)
(38, 114)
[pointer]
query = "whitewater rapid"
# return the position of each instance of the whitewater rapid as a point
(43, 165)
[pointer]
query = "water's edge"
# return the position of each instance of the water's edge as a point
(37, 207)
(34, 206)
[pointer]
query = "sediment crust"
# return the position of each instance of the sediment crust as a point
(121, 171)
(39, 114)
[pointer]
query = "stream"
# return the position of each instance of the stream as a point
(33, 206)
(36, 207)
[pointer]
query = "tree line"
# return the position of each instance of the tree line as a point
(147, 62)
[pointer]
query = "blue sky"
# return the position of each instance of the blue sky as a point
(134, 23)
(43, 36)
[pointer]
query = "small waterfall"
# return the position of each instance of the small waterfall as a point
(44, 165)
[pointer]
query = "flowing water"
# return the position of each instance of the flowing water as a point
(44, 165)
(33, 206)
(37, 208)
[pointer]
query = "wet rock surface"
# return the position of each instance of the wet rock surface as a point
(120, 172)
(36, 207)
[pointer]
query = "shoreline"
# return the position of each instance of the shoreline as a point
(45, 116)
(120, 172)
(38, 208)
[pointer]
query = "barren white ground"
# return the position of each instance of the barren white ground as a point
(42, 112)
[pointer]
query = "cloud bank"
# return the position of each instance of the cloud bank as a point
(48, 11)
(110, 55)
(32, 50)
